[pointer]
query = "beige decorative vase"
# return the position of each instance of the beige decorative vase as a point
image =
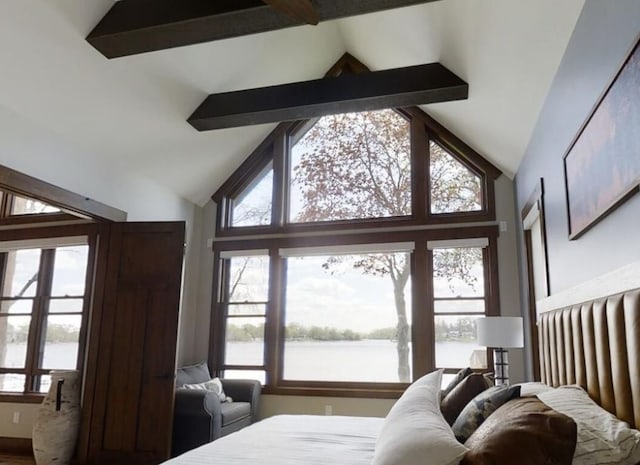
(55, 431)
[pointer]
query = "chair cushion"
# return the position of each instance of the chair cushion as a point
(234, 411)
(192, 374)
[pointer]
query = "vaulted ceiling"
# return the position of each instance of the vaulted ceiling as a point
(131, 112)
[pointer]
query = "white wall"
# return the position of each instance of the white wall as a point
(50, 158)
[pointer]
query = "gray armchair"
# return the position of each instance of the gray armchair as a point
(199, 416)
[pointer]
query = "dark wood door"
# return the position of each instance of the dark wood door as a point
(128, 401)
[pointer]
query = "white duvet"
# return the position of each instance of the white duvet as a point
(292, 439)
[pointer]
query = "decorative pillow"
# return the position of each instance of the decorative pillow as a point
(213, 385)
(523, 432)
(479, 409)
(457, 379)
(461, 395)
(415, 430)
(602, 437)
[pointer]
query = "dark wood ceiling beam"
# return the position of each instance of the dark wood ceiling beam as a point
(392, 88)
(137, 26)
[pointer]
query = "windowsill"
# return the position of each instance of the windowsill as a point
(334, 392)
(21, 398)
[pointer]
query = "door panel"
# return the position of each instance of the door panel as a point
(130, 411)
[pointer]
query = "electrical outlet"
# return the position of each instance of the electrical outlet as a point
(16, 417)
(328, 409)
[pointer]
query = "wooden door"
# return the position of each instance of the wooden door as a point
(129, 387)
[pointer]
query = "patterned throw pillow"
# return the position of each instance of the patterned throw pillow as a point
(213, 385)
(479, 409)
(461, 395)
(462, 374)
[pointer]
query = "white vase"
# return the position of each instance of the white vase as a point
(55, 431)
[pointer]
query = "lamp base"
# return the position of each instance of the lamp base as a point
(501, 366)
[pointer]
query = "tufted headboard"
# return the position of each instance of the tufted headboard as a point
(596, 344)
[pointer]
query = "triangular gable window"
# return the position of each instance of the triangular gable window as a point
(26, 206)
(454, 187)
(393, 167)
(252, 207)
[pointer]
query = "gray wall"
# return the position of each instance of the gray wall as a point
(604, 34)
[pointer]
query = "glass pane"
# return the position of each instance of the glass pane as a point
(459, 306)
(21, 273)
(351, 166)
(247, 309)
(458, 272)
(456, 343)
(61, 342)
(260, 375)
(11, 382)
(14, 333)
(454, 188)
(69, 271)
(341, 318)
(65, 305)
(244, 341)
(253, 206)
(23, 306)
(249, 279)
(24, 206)
(45, 383)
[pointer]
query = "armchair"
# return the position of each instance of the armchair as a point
(199, 416)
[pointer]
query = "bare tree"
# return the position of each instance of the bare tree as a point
(358, 165)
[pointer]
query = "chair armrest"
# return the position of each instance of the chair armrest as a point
(244, 390)
(193, 402)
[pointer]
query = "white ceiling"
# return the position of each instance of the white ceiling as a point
(131, 112)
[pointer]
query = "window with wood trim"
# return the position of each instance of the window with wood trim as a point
(326, 287)
(43, 301)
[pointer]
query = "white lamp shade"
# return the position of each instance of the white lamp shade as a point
(500, 331)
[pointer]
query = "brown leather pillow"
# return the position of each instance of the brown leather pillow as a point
(523, 431)
(453, 403)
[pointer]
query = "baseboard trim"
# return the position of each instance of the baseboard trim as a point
(21, 446)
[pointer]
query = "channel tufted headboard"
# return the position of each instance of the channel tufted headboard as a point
(596, 344)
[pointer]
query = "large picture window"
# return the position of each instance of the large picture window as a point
(352, 255)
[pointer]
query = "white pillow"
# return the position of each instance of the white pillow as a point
(213, 385)
(415, 432)
(602, 437)
(532, 389)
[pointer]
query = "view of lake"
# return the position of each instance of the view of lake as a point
(364, 360)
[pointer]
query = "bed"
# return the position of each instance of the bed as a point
(594, 344)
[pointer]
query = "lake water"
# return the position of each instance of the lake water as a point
(365, 360)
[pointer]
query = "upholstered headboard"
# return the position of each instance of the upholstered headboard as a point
(596, 344)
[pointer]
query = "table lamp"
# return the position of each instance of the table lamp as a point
(499, 333)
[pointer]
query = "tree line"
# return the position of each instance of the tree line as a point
(55, 333)
(463, 330)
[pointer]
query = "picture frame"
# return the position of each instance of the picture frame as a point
(602, 164)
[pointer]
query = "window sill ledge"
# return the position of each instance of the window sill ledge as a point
(21, 398)
(333, 392)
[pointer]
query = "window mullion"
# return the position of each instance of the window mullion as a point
(274, 332)
(279, 207)
(420, 192)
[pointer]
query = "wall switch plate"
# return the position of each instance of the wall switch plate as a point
(328, 409)
(16, 417)
(503, 226)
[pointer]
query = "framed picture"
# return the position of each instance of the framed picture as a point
(602, 165)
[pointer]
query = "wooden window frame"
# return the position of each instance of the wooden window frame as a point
(39, 311)
(423, 128)
(423, 333)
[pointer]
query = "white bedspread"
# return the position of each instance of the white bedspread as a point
(292, 439)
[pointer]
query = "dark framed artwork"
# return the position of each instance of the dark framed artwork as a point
(602, 165)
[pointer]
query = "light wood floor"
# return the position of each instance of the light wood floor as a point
(16, 460)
